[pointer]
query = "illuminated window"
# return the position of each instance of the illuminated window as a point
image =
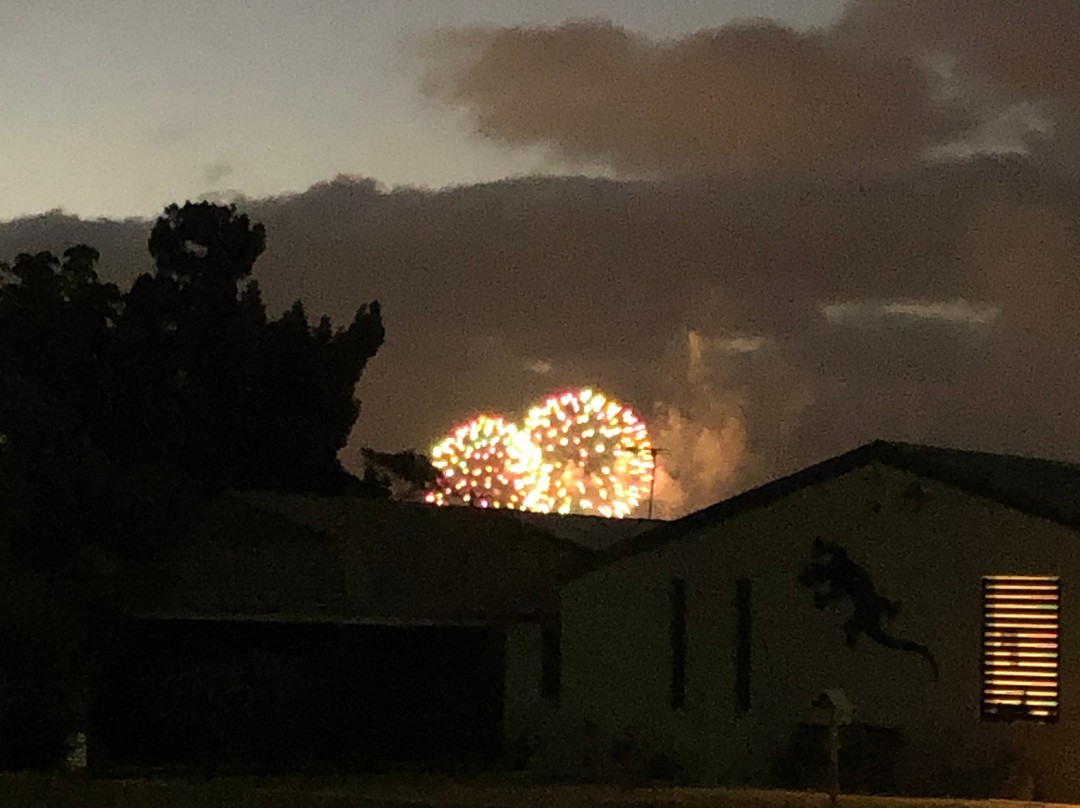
(1021, 619)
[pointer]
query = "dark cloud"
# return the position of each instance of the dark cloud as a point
(1025, 48)
(890, 81)
(744, 97)
(1011, 64)
(758, 326)
(121, 242)
(217, 171)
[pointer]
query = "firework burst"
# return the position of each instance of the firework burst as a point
(577, 452)
(596, 455)
(486, 462)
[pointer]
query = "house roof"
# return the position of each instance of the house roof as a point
(595, 533)
(1045, 488)
(343, 559)
(242, 561)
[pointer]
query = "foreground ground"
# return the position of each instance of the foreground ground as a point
(47, 791)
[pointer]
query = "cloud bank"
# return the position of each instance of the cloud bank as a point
(748, 97)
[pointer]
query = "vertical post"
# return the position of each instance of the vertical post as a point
(841, 712)
(834, 760)
(75, 757)
(653, 451)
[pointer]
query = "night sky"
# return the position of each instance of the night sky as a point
(776, 239)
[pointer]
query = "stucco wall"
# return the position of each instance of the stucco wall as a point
(924, 544)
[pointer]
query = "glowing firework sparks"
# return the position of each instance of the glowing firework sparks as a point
(487, 462)
(596, 455)
(578, 452)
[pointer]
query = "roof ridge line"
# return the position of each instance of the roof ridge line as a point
(899, 455)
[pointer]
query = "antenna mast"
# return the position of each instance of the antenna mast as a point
(653, 452)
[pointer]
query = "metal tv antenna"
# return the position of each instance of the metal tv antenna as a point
(653, 452)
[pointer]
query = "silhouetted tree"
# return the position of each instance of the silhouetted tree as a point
(406, 475)
(185, 371)
(212, 384)
(55, 319)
